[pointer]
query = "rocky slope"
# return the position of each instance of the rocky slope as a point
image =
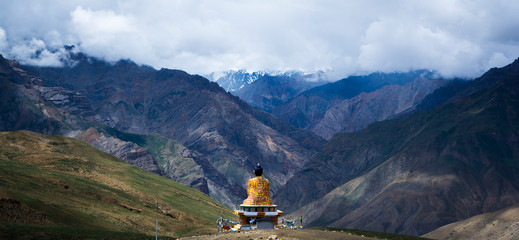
(354, 114)
(416, 173)
(130, 152)
(222, 135)
(153, 153)
(499, 225)
(25, 102)
(269, 92)
(307, 109)
(29, 104)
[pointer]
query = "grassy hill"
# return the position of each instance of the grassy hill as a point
(56, 187)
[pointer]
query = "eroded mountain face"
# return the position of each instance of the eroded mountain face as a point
(221, 137)
(416, 173)
(353, 114)
(347, 105)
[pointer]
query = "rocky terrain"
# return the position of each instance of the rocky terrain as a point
(310, 234)
(22, 103)
(221, 137)
(416, 173)
(269, 92)
(346, 105)
(130, 152)
(281, 235)
(353, 114)
(498, 225)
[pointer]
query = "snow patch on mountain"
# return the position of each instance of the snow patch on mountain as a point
(234, 80)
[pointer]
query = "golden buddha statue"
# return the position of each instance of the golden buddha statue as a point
(258, 189)
(257, 211)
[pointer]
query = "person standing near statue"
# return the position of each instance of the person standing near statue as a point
(258, 189)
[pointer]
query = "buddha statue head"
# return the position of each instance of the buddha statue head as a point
(258, 171)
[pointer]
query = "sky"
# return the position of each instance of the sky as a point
(456, 38)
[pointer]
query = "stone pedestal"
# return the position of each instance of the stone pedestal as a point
(258, 216)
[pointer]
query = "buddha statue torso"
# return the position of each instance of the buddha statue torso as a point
(258, 191)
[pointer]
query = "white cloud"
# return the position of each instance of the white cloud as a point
(3, 41)
(454, 37)
(34, 52)
(104, 33)
(390, 46)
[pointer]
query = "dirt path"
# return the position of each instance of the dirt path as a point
(281, 234)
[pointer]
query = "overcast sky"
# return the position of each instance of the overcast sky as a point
(455, 37)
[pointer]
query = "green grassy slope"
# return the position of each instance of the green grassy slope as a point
(65, 187)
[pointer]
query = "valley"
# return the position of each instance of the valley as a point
(419, 152)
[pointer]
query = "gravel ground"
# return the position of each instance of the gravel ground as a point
(281, 234)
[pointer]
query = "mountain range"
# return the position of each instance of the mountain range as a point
(234, 80)
(271, 92)
(413, 174)
(347, 105)
(421, 151)
(159, 119)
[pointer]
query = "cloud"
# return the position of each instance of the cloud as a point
(3, 41)
(452, 37)
(397, 46)
(35, 52)
(455, 37)
(104, 33)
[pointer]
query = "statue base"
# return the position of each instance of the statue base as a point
(258, 216)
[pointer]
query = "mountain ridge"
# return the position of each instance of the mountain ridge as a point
(353, 114)
(234, 80)
(269, 92)
(220, 132)
(308, 108)
(416, 173)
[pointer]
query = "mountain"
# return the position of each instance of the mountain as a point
(344, 106)
(27, 104)
(355, 113)
(498, 225)
(269, 92)
(60, 188)
(309, 107)
(233, 81)
(458, 88)
(416, 173)
(169, 122)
